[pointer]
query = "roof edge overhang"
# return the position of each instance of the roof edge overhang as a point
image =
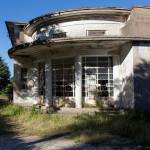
(14, 23)
(12, 50)
(31, 27)
(145, 7)
(10, 25)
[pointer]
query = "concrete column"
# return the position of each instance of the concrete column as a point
(117, 81)
(126, 76)
(35, 72)
(48, 83)
(16, 81)
(78, 82)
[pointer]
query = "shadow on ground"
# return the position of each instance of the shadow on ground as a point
(18, 142)
(10, 139)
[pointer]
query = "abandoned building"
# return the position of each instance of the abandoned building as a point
(87, 55)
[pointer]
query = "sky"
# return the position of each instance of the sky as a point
(26, 10)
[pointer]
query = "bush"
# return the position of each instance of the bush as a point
(3, 92)
(4, 74)
(8, 91)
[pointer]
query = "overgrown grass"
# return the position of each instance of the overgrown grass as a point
(96, 129)
(3, 96)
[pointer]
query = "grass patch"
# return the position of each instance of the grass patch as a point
(85, 105)
(96, 129)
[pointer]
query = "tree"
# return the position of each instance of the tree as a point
(4, 74)
(9, 90)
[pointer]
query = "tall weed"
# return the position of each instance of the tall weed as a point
(95, 129)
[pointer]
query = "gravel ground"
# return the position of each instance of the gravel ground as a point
(18, 142)
(22, 142)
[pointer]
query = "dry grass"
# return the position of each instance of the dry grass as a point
(95, 129)
(2, 97)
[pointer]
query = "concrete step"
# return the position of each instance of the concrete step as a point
(64, 111)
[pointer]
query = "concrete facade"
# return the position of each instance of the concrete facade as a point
(88, 55)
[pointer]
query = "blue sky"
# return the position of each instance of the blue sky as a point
(26, 10)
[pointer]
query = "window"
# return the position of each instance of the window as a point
(63, 77)
(59, 35)
(97, 77)
(23, 78)
(96, 32)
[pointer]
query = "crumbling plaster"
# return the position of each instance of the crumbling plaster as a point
(29, 95)
(112, 28)
(138, 22)
(125, 31)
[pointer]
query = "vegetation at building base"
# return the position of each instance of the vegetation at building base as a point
(98, 104)
(96, 129)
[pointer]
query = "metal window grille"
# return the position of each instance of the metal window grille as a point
(63, 77)
(23, 78)
(97, 77)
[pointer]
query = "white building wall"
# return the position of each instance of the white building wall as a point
(126, 72)
(79, 28)
(35, 82)
(27, 38)
(117, 81)
(29, 95)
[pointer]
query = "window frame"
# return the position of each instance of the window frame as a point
(23, 82)
(67, 74)
(109, 85)
(103, 34)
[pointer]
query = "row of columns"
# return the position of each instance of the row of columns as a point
(48, 83)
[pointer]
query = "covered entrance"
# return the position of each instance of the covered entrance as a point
(96, 81)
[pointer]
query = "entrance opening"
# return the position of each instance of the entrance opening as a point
(97, 78)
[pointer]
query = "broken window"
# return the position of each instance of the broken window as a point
(97, 77)
(63, 77)
(23, 78)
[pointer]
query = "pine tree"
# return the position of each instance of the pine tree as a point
(4, 74)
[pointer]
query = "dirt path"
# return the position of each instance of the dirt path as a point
(22, 142)
(18, 142)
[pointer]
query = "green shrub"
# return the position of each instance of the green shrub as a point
(9, 90)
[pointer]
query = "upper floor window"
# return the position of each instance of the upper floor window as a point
(23, 78)
(96, 32)
(59, 35)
